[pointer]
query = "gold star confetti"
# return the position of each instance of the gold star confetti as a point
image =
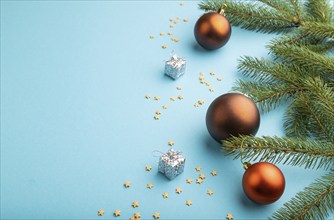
(171, 26)
(171, 19)
(170, 143)
(202, 176)
(169, 33)
(212, 73)
(219, 79)
(199, 180)
(162, 33)
(172, 38)
(127, 184)
(189, 202)
(135, 204)
(178, 190)
(148, 96)
(185, 19)
(189, 180)
(201, 77)
(196, 105)
(117, 213)
(151, 36)
(211, 89)
(132, 218)
(202, 81)
(198, 169)
(180, 97)
(137, 215)
(179, 87)
(164, 46)
(100, 212)
(156, 215)
(214, 173)
(201, 102)
(156, 98)
(207, 84)
(176, 39)
(156, 117)
(148, 168)
(158, 112)
(229, 216)
(172, 98)
(165, 106)
(149, 185)
(209, 192)
(178, 18)
(165, 195)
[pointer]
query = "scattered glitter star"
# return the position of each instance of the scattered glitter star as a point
(147, 96)
(117, 213)
(180, 97)
(165, 106)
(137, 215)
(185, 19)
(164, 46)
(151, 36)
(214, 173)
(156, 117)
(158, 112)
(162, 33)
(196, 105)
(150, 185)
(209, 192)
(178, 190)
(219, 79)
(202, 176)
(211, 89)
(189, 180)
(172, 98)
(189, 202)
(135, 204)
(156, 215)
(157, 98)
(198, 169)
(127, 184)
(165, 195)
(212, 73)
(178, 87)
(100, 212)
(170, 143)
(199, 181)
(229, 216)
(201, 102)
(148, 168)
(169, 33)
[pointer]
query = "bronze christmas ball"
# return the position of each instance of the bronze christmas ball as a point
(263, 183)
(212, 30)
(232, 114)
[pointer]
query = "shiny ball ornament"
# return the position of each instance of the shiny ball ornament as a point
(212, 30)
(263, 183)
(232, 114)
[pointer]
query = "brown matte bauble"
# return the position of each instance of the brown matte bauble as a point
(232, 114)
(212, 30)
(263, 183)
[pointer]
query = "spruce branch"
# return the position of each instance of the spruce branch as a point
(314, 202)
(318, 30)
(319, 10)
(305, 58)
(267, 96)
(253, 16)
(293, 151)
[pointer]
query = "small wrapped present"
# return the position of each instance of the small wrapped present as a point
(175, 67)
(171, 163)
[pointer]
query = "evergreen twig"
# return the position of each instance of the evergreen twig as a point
(314, 202)
(293, 151)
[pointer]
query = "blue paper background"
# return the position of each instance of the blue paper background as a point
(75, 124)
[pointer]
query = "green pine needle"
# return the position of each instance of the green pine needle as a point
(293, 151)
(314, 202)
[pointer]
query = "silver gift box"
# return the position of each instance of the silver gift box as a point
(175, 67)
(171, 163)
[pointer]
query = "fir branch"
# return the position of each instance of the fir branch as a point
(252, 16)
(266, 71)
(267, 96)
(304, 58)
(319, 10)
(314, 202)
(318, 30)
(322, 47)
(296, 152)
